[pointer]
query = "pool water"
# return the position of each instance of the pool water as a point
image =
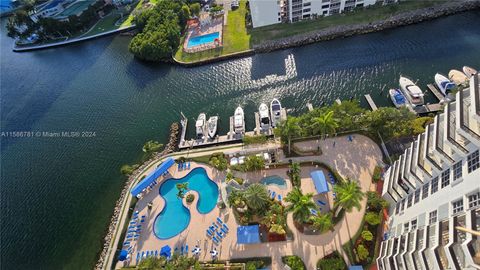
(200, 40)
(274, 180)
(175, 217)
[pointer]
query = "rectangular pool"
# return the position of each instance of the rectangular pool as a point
(200, 40)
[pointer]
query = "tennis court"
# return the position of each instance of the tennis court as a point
(76, 8)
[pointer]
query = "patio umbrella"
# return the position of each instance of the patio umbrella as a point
(166, 251)
(123, 255)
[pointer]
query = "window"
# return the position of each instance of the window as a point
(432, 217)
(405, 227)
(417, 195)
(397, 208)
(306, 10)
(403, 205)
(474, 200)
(457, 206)
(413, 224)
(325, 6)
(425, 191)
(410, 198)
(473, 162)
(307, 4)
(434, 185)
(457, 170)
(446, 178)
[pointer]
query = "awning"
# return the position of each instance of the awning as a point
(248, 234)
(166, 251)
(320, 182)
(123, 255)
(152, 177)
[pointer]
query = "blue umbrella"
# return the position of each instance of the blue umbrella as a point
(166, 251)
(123, 255)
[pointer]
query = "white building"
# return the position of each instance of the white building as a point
(434, 191)
(267, 12)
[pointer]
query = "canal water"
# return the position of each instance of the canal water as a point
(58, 189)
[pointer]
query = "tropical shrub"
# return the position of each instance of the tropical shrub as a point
(349, 195)
(332, 262)
(377, 174)
(182, 188)
(372, 218)
(362, 252)
(375, 202)
(259, 139)
(294, 174)
(322, 222)
(300, 205)
(256, 198)
(367, 235)
(128, 169)
(253, 163)
(219, 162)
(294, 262)
(190, 197)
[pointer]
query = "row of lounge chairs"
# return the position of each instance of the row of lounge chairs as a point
(133, 231)
(146, 254)
(183, 250)
(273, 194)
(217, 231)
(183, 166)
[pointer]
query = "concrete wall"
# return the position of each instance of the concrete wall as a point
(264, 12)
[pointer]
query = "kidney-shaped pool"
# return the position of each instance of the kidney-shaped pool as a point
(175, 217)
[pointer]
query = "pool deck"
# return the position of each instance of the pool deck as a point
(216, 25)
(355, 159)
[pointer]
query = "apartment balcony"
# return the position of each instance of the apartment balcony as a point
(400, 253)
(466, 125)
(425, 168)
(381, 255)
(457, 238)
(396, 250)
(431, 157)
(431, 244)
(473, 241)
(443, 150)
(410, 248)
(415, 175)
(451, 137)
(441, 255)
(418, 257)
(401, 188)
(475, 93)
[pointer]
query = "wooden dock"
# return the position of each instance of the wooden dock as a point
(370, 102)
(310, 106)
(257, 128)
(435, 92)
(428, 108)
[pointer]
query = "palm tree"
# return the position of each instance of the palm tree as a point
(289, 129)
(349, 196)
(256, 197)
(322, 223)
(182, 187)
(275, 219)
(325, 124)
(300, 204)
(294, 173)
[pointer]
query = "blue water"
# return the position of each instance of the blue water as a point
(274, 180)
(200, 40)
(175, 217)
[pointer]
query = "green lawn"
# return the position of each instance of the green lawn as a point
(373, 13)
(107, 23)
(235, 38)
(129, 20)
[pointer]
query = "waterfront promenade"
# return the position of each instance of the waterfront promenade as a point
(355, 160)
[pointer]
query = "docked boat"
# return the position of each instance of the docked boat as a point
(275, 111)
(444, 84)
(264, 116)
(212, 124)
(469, 71)
(457, 77)
(397, 97)
(239, 121)
(412, 92)
(200, 125)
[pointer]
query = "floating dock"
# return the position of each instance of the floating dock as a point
(229, 138)
(428, 108)
(370, 102)
(435, 92)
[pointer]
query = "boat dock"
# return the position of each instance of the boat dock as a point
(370, 102)
(310, 106)
(428, 108)
(338, 101)
(229, 138)
(435, 92)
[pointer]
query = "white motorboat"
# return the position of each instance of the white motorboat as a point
(239, 121)
(412, 92)
(469, 71)
(444, 84)
(397, 97)
(212, 126)
(200, 125)
(275, 111)
(457, 77)
(264, 116)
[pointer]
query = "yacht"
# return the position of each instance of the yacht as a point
(200, 125)
(469, 71)
(397, 97)
(457, 77)
(275, 111)
(412, 92)
(264, 116)
(212, 126)
(444, 84)
(239, 121)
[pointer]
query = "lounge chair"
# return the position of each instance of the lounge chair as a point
(216, 226)
(184, 166)
(313, 212)
(186, 249)
(215, 240)
(225, 226)
(219, 220)
(147, 254)
(321, 202)
(138, 257)
(219, 235)
(273, 195)
(188, 166)
(181, 250)
(223, 230)
(156, 253)
(179, 166)
(209, 233)
(279, 197)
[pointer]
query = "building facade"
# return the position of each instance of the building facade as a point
(434, 193)
(267, 12)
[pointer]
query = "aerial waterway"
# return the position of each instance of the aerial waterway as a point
(95, 105)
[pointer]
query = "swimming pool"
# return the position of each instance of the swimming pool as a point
(200, 40)
(175, 217)
(274, 180)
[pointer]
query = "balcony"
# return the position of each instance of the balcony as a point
(431, 243)
(440, 147)
(440, 253)
(454, 139)
(458, 238)
(410, 248)
(434, 161)
(418, 257)
(467, 126)
(474, 244)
